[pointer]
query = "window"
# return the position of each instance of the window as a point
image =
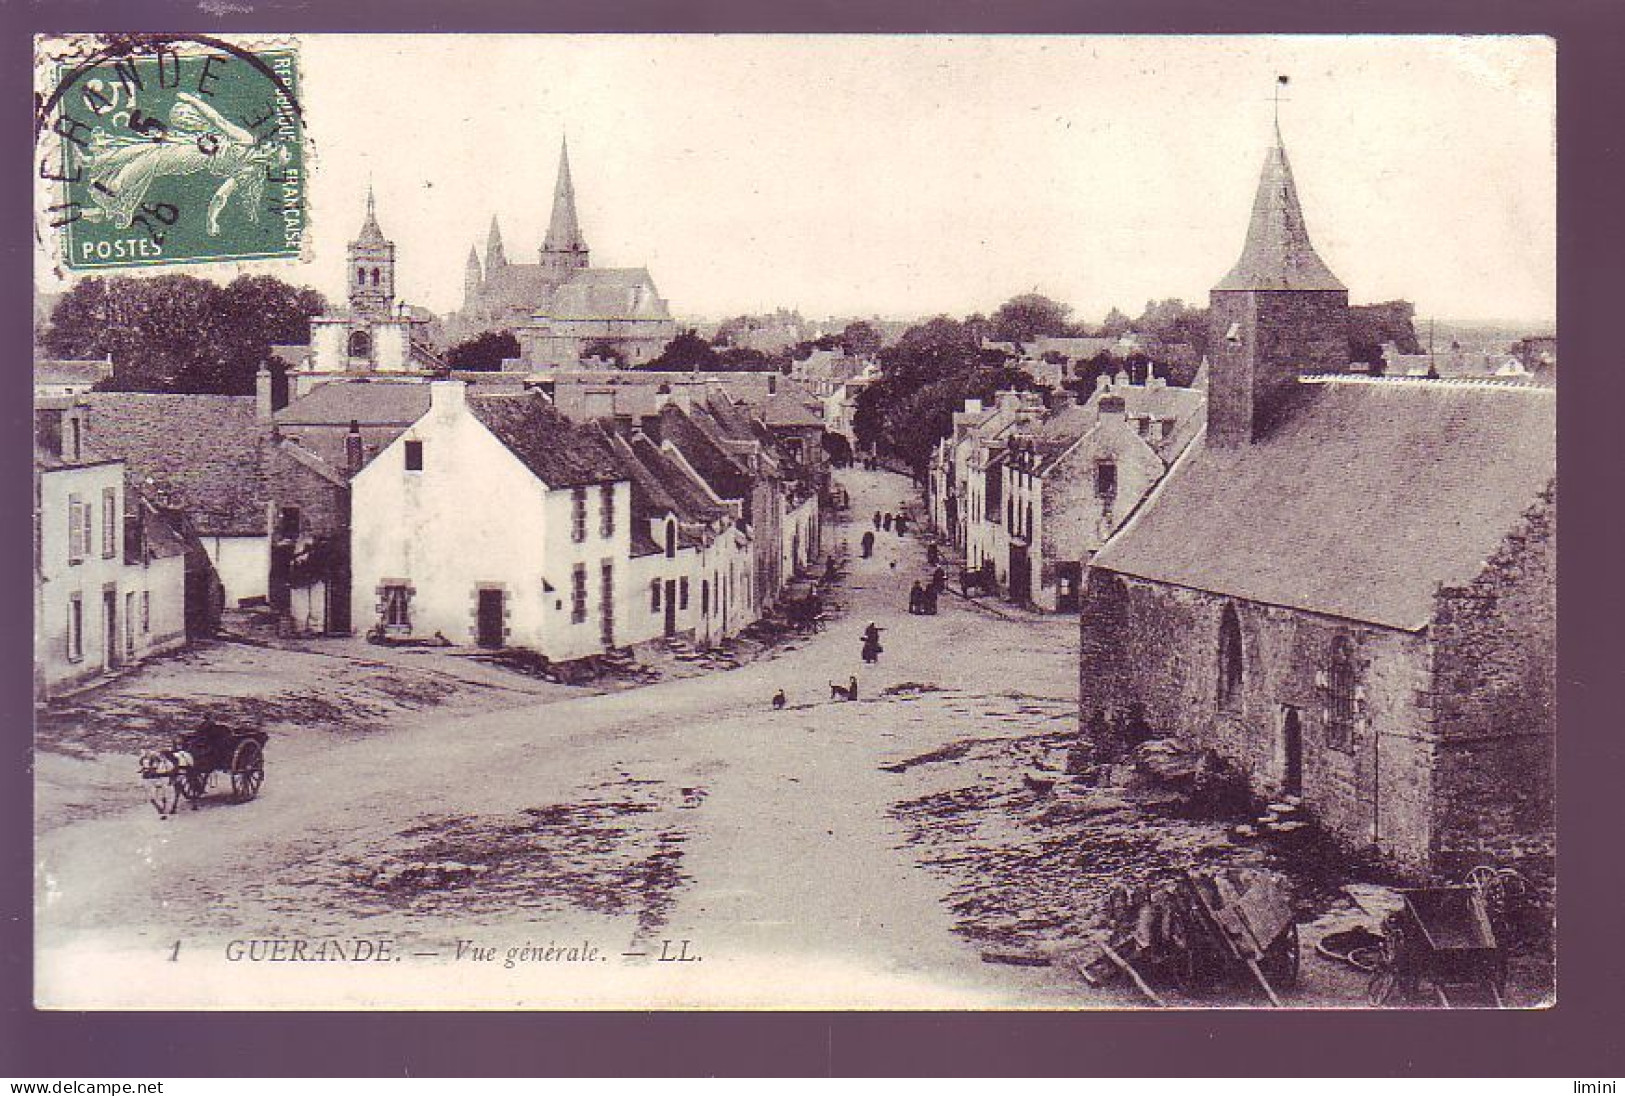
(1106, 479)
(671, 539)
(578, 514)
(606, 510)
(682, 592)
(1340, 695)
(396, 610)
(129, 625)
(375, 275)
(75, 430)
(360, 344)
(654, 595)
(76, 628)
(78, 534)
(360, 276)
(578, 594)
(288, 525)
(146, 612)
(1229, 658)
(1029, 520)
(705, 597)
(414, 456)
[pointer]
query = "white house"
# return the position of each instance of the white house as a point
(109, 582)
(494, 521)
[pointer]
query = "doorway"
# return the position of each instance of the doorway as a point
(489, 628)
(671, 606)
(1021, 575)
(110, 648)
(1292, 748)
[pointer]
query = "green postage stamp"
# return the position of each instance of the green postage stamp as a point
(164, 149)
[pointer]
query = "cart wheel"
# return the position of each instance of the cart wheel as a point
(192, 784)
(1194, 967)
(1280, 961)
(1384, 983)
(247, 771)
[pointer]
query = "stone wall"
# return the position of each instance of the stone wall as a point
(1158, 646)
(1493, 704)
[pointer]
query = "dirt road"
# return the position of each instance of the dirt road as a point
(613, 828)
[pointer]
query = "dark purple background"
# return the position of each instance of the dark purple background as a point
(1579, 1038)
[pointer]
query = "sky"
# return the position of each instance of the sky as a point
(910, 176)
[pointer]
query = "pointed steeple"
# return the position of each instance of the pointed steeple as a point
(494, 258)
(472, 276)
(371, 234)
(564, 231)
(1278, 254)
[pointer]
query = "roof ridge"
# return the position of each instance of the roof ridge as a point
(1514, 383)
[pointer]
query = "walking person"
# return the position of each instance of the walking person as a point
(868, 543)
(887, 523)
(877, 519)
(871, 643)
(902, 524)
(916, 600)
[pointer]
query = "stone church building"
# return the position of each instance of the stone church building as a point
(1346, 586)
(564, 311)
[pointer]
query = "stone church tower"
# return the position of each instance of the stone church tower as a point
(564, 251)
(1279, 314)
(372, 268)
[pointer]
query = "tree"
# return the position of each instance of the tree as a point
(179, 333)
(484, 352)
(607, 351)
(1372, 325)
(685, 352)
(860, 339)
(1029, 316)
(1115, 325)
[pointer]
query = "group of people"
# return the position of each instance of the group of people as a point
(886, 522)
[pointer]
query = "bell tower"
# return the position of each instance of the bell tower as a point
(372, 269)
(564, 251)
(1279, 314)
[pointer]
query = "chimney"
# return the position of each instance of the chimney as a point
(262, 395)
(447, 398)
(352, 448)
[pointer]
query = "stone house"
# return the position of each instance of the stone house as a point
(493, 521)
(205, 456)
(1071, 479)
(110, 570)
(688, 550)
(1346, 586)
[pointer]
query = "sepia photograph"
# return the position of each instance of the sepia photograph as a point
(794, 522)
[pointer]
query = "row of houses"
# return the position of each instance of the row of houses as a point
(1030, 490)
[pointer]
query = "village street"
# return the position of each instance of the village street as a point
(686, 810)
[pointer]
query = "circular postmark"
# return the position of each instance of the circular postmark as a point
(168, 148)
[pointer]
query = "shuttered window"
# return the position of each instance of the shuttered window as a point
(606, 510)
(77, 519)
(109, 522)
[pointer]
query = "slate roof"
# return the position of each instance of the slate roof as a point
(720, 471)
(367, 402)
(203, 454)
(560, 453)
(1278, 254)
(784, 409)
(1367, 498)
(604, 293)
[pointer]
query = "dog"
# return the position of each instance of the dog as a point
(843, 692)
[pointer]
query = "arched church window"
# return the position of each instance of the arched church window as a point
(1230, 659)
(360, 344)
(375, 275)
(360, 276)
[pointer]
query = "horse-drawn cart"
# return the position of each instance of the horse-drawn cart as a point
(189, 767)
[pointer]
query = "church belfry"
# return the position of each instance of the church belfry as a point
(564, 250)
(1279, 314)
(372, 268)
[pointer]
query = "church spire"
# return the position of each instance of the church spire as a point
(1278, 254)
(494, 258)
(371, 234)
(564, 231)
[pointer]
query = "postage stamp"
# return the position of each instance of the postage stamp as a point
(168, 149)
